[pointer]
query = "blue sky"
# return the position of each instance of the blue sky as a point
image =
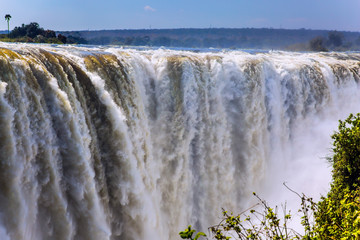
(140, 14)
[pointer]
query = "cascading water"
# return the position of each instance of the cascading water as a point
(109, 143)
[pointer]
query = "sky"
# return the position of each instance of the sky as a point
(63, 15)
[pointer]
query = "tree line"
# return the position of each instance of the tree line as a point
(335, 41)
(243, 38)
(32, 32)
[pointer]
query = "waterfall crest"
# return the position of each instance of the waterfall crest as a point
(110, 143)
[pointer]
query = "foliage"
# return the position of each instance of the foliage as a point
(49, 34)
(37, 39)
(34, 33)
(335, 38)
(33, 29)
(255, 38)
(75, 39)
(7, 18)
(29, 30)
(62, 38)
(336, 216)
(346, 159)
(335, 41)
(317, 44)
(4, 38)
(253, 224)
(265, 224)
(188, 234)
(339, 218)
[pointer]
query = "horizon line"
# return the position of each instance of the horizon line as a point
(204, 28)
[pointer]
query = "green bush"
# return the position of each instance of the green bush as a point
(338, 214)
(346, 159)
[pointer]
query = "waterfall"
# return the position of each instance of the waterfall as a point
(110, 143)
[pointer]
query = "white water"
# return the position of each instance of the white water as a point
(107, 143)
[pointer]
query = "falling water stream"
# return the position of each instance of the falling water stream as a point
(110, 143)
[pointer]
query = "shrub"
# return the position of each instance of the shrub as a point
(336, 216)
(317, 44)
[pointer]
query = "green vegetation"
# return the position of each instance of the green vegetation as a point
(334, 42)
(233, 38)
(335, 216)
(188, 234)
(317, 44)
(346, 159)
(33, 33)
(7, 18)
(338, 214)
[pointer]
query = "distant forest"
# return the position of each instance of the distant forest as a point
(244, 38)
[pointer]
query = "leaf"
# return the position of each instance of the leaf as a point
(183, 235)
(199, 234)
